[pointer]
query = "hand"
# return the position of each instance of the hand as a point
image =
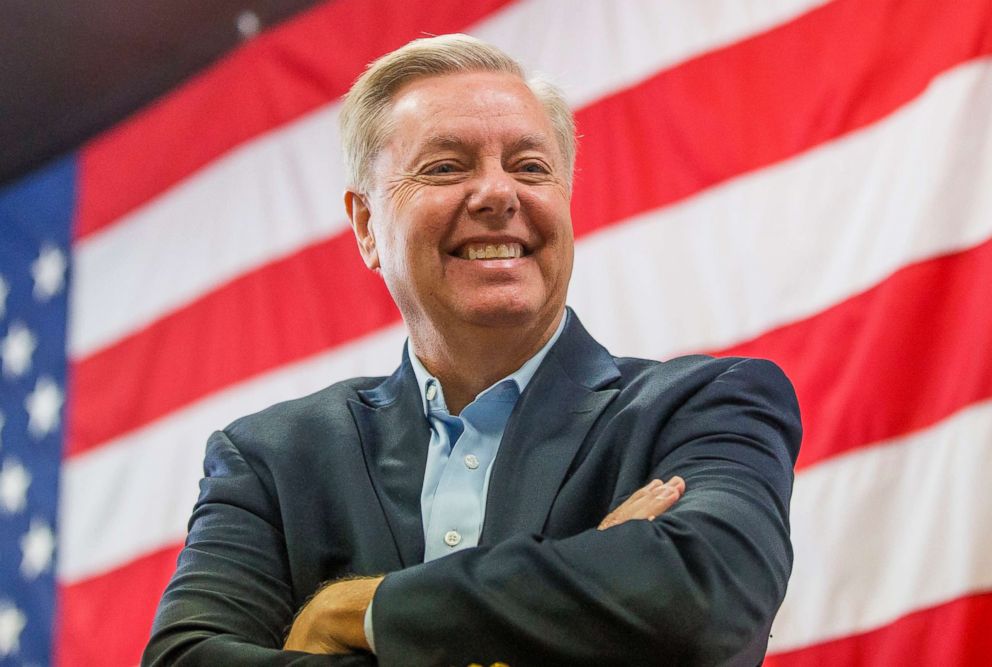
(651, 500)
(333, 621)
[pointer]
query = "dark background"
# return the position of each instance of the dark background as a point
(69, 70)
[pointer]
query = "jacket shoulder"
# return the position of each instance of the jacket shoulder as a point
(697, 369)
(712, 380)
(325, 410)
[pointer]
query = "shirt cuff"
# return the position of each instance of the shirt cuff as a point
(368, 627)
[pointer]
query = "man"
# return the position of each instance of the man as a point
(507, 478)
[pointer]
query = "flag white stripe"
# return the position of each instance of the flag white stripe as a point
(576, 46)
(134, 495)
(740, 259)
(284, 193)
(887, 530)
(187, 241)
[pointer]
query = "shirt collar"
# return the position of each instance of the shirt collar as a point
(521, 377)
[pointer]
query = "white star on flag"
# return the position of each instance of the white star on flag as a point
(43, 405)
(16, 349)
(37, 547)
(12, 621)
(48, 272)
(4, 291)
(14, 483)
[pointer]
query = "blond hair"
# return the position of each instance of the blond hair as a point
(364, 115)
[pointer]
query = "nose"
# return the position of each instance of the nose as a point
(493, 198)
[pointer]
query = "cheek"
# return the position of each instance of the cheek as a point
(563, 264)
(406, 249)
(555, 225)
(553, 217)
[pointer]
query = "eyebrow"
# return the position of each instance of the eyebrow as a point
(447, 141)
(442, 141)
(531, 141)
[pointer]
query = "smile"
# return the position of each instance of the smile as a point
(491, 251)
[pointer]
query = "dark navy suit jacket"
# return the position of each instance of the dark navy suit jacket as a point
(329, 485)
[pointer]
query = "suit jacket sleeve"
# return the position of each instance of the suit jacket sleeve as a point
(698, 585)
(230, 597)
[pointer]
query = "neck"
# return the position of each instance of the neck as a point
(469, 360)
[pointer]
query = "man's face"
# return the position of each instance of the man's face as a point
(468, 218)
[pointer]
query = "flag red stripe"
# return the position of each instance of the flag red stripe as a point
(106, 620)
(949, 634)
(891, 360)
(746, 106)
(955, 633)
(907, 347)
(692, 100)
(277, 77)
(192, 367)
(316, 299)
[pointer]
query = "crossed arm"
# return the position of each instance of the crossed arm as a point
(332, 621)
(699, 585)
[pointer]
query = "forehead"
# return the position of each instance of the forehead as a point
(467, 108)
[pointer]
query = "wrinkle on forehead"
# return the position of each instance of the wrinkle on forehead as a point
(501, 96)
(425, 109)
(440, 142)
(533, 140)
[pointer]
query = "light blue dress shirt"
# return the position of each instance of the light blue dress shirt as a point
(460, 457)
(461, 453)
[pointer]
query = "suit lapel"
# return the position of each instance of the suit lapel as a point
(545, 431)
(395, 436)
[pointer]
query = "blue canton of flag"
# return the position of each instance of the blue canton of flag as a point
(35, 217)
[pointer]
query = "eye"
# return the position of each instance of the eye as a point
(534, 167)
(441, 169)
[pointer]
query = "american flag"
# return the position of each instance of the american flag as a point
(801, 180)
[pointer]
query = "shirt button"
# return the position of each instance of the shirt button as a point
(471, 461)
(452, 538)
(431, 391)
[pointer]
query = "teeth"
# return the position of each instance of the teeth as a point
(493, 251)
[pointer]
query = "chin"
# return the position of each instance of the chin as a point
(504, 315)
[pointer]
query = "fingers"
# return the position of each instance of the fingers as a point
(648, 502)
(649, 488)
(667, 496)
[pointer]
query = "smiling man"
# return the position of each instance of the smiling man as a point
(467, 220)
(512, 492)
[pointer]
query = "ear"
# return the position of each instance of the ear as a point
(360, 216)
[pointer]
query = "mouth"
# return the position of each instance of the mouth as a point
(509, 250)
